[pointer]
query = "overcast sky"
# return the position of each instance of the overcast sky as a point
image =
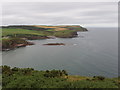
(87, 14)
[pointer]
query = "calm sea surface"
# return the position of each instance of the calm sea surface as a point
(92, 53)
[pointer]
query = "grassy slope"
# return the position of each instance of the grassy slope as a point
(64, 33)
(30, 78)
(60, 31)
(10, 31)
(14, 31)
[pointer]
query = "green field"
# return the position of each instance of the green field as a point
(65, 33)
(41, 30)
(13, 31)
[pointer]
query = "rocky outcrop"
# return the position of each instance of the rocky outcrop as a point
(17, 46)
(12, 43)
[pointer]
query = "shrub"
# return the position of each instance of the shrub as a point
(99, 78)
(55, 73)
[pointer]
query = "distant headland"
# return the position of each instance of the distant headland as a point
(14, 36)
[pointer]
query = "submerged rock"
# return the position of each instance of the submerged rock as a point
(54, 44)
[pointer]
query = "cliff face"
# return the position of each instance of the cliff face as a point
(74, 34)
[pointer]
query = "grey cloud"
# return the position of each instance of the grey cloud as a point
(60, 13)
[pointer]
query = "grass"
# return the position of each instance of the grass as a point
(10, 31)
(60, 31)
(49, 32)
(72, 78)
(65, 33)
(30, 78)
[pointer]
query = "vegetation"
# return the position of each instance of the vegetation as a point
(41, 31)
(66, 34)
(33, 34)
(14, 32)
(30, 78)
(11, 43)
(14, 35)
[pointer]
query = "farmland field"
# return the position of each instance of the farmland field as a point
(58, 31)
(7, 31)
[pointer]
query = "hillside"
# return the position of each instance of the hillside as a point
(41, 32)
(30, 78)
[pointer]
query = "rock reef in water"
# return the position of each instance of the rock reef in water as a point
(54, 44)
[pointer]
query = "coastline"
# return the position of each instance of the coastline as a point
(37, 32)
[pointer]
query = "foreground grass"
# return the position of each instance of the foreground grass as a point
(30, 78)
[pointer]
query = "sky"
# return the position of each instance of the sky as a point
(87, 14)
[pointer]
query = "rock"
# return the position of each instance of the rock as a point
(31, 43)
(54, 44)
(20, 45)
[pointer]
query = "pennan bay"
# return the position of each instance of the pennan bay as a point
(92, 53)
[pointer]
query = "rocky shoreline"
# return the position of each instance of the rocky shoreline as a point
(17, 46)
(10, 44)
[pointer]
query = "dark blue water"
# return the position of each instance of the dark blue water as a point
(92, 53)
